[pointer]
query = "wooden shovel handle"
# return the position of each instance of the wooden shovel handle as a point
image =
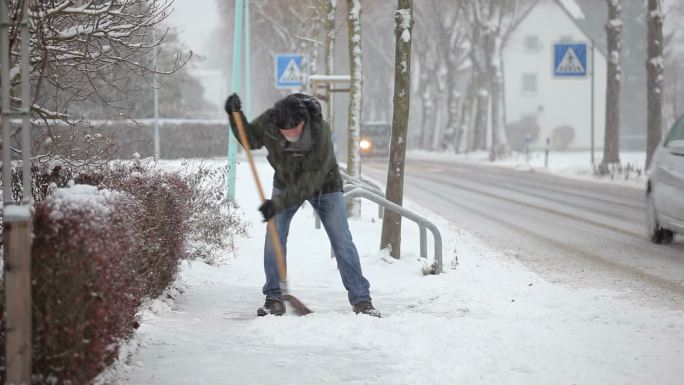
(280, 259)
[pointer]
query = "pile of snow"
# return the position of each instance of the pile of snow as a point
(83, 197)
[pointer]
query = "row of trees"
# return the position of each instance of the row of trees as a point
(99, 60)
(458, 93)
(450, 34)
(654, 86)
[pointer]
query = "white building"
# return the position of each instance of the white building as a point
(538, 103)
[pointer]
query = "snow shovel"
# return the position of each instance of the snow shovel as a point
(299, 307)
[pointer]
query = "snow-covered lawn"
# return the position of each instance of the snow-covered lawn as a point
(568, 164)
(485, 320)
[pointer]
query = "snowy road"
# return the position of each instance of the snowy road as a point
(570, 231)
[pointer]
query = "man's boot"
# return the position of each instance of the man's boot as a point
(272, 306)
(366, 307)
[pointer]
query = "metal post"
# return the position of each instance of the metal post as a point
(423, 241)
(593, 71)
(156, 103)
(248, 65)
(17, 248)
(330, 69)
(235, 87)
(16, 219)
(546, 152)
(674, 96)
(5, 84)
(25, 106)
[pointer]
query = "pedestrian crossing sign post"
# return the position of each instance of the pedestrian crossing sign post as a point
(570, 60)
(288, 71)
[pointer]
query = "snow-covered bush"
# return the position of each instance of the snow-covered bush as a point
(214, 221)
(100, 247)
(562, 137)
(86, 288)
(115, 236)
(165, 211)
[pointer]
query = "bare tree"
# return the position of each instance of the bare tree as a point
(330, 11)
(427, 61)
(654, 68)
(391, 224)
(86, 52)
(611, 146)
(354, 112)
(673, 39)
(480, 89)
(94, 50)
(445, 41)
(491, 22)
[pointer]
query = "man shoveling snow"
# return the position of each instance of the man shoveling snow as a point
(301, 153)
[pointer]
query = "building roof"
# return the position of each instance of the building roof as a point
(601, 48)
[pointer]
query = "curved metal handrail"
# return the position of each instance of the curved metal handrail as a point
(423, 223)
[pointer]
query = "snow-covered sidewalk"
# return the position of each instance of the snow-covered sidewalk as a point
(486, 320)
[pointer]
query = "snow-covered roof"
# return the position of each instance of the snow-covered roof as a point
(572, 10)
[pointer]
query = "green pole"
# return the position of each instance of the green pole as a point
(248, 65)
(235, 87)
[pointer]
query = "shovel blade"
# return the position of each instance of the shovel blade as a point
(297, 305)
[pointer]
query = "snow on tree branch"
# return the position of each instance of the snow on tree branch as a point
(78, 47)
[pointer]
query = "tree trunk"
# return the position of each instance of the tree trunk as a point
(654, 68)
(453, 103)
(481, 111)
(611, 145)
(423, 92)
(499, 141)
(489, 69)
(330, 10)
(478, 60)
(356, 69)
(437, 142)
(429, 111)
(465, 128)
(391, 224)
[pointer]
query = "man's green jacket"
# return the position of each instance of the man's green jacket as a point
(302, 169)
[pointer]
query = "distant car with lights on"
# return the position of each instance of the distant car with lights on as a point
(665, 187)
(375, 138)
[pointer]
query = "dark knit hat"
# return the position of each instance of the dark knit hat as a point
(289, 112)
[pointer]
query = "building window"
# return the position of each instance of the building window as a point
(529, 84)
(532, 43)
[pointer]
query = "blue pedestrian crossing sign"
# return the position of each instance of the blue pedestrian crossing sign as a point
(288, 71)
(570, 60)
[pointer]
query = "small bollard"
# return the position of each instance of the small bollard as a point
(546, 152)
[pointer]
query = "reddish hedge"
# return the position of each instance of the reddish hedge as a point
(95, 257)
(85, 288)
(164, 198)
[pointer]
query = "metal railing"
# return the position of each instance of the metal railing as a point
(353, 191)
(361, 182)
(365, 183)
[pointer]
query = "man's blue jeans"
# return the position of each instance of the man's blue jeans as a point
(332, 209)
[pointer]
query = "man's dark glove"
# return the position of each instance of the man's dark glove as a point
(268, 209)
(233, 104)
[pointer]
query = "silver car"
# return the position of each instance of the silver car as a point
(665, 188)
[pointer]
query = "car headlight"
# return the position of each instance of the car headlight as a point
(365, 144)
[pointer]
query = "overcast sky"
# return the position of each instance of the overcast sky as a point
(194, 20)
